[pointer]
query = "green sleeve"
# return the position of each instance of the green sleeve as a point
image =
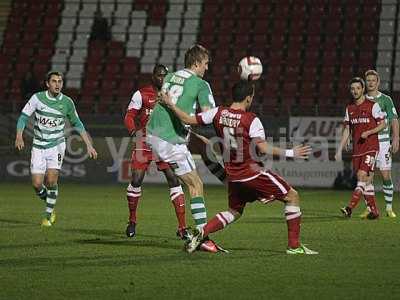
(22, 121)
(390, 109)
(205, 96)
(74, 119)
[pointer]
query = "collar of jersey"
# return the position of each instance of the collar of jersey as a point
(190, 71)
(53, 98)
(371, 97)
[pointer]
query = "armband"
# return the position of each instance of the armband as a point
(289, 153)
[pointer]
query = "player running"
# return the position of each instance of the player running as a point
(138, 112)
(248, 180)
(364, 119)
(166, 134)
(388, 142)
(51, 109)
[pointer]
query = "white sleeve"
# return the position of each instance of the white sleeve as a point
(346, 116)
(377, 112)
(31, 106)
(136, 101)
(208, 116)
(257, 129)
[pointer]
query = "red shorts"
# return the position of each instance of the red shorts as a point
(141, 160)
(266, 187)
(365, 162)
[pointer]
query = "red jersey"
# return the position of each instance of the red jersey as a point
(237, 128)
(360, 118)
(138, 112)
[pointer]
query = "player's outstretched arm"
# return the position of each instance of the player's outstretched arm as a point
(343, 142)
(166, 99)
(90, 149)
(299, 151)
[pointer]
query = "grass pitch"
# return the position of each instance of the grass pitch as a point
(87, 256)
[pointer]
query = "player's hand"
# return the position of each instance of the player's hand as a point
(395, 145)
(19, 143)
(364, 135)
(347, 145)
(92, 152)
(166, 98)
(338, 156)
(301, 151)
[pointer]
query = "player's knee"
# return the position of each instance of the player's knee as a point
(293, 197)
(172, 179)
(137, 178)
(51, 181)
(386, 175)
(236, 213)
(195, 185)
(37, 184)
(362, 176)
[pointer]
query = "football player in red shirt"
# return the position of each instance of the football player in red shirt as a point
(137, 115)
(242, 134)
(363, 119)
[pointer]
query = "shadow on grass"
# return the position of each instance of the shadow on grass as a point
(163, 244)
(138, 259)
(12, 223)
(306, 219)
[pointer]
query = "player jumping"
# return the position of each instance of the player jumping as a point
(364, 119)
(139, 111)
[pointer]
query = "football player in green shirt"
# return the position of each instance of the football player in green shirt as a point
(50, 108)
(388, 137)
(167, 135)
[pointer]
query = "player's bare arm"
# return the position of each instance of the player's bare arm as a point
(90, 149)
(381, 125)
(184, 117)
(299, 151)
(19, 140)
(395, 135)
(343, 142)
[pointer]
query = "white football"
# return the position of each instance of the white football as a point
(250, 68)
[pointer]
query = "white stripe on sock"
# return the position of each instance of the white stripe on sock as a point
(293, 216)
(221, 219)
(196, 205)
(200, 215)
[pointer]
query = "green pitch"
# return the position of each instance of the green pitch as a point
(87, 256)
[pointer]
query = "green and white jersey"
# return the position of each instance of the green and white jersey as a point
(387, 107)
(50, 114)
(187, 91)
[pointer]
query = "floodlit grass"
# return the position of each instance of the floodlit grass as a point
(87, 256)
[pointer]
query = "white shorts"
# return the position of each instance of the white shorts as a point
(177, 156)
(43, 159)
(384, 158)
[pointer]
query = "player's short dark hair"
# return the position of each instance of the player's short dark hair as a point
(195, 54)
(357, 79)
(51, 73)
(241, 90)
(159, 68)
(371, 72)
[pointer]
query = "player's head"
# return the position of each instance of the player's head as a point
(372, 80)
(159, 73)
(243, 92)
(54, 82)
(196, 59)
(357, 87)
